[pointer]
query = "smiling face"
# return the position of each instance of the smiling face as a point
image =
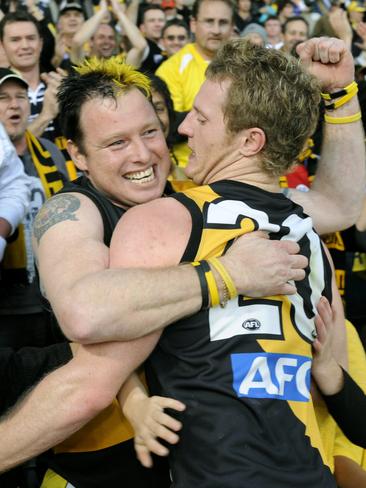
(174, 38)
(103, 43)
(126, 157)
(22, 44)
(14, 108)
(153, 23)
(212, 27)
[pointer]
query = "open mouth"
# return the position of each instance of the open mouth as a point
(141, 177)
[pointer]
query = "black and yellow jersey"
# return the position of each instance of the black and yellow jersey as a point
(244, 370)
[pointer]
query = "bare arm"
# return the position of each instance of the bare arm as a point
(348, 473)
(86, 32)
(335, 199)
(67, 399)
(96, 304)
(137, 40)
(132, 11)
(50, 103)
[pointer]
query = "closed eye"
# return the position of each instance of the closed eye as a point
(120, 142)
(150, 132)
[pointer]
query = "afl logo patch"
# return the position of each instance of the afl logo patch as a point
(251, 324)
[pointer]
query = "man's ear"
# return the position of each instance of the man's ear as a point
(77, 156)
(252, 141)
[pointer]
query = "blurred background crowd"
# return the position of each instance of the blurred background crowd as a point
(172, 41)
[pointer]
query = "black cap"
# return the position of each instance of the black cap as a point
(70, 5)
(8, 74)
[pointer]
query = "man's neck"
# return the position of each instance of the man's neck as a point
(207, 55)
(244, 170)
(20, 145)
(155, 41)
(31, 76)
(273, 40)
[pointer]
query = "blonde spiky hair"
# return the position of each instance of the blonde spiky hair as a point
(123, 75)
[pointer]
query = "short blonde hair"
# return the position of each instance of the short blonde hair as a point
(269, 90)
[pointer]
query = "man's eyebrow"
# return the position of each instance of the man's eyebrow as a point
(198, 110)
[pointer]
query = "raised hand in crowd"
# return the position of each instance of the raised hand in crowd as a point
(341, 26)
(361, 31)
(50, 107)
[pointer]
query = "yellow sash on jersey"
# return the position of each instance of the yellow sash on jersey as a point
(44, 165)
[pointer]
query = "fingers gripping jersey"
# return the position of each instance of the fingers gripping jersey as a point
(244, 370)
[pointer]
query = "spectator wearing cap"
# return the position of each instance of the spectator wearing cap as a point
(175, 36)
(21, 38)
(102, 37)
(274, 32)
(256, 34)
(23, 319)
(71, 18)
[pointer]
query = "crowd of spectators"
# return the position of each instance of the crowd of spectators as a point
(173, 42)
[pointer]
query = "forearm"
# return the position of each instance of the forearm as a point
(348, 473)
(67, 399)
(128, 303)
(341, 174)
(330, 379)
(33, 426)
(132, 391)
(134, 34)
(88, 29)
(40, 123)
(132, 11)
(22, 369)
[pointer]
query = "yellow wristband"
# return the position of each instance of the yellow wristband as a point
(220, 268)
(342, 120)
(348, 89)
(212, 288)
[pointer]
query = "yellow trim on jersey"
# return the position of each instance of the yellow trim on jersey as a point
(53, 480)
(107, 429)
(212, 244)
